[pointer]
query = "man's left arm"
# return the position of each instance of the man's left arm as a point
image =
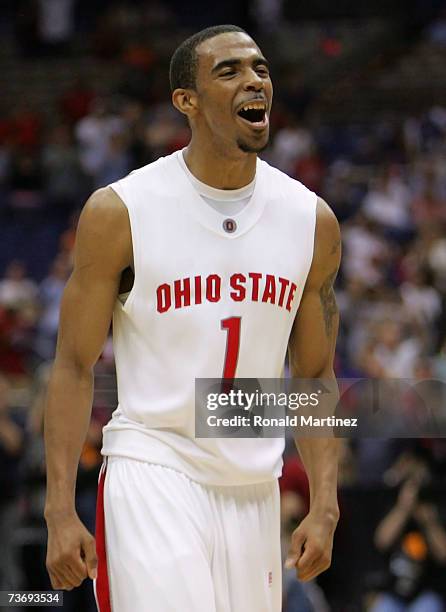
(311, 354)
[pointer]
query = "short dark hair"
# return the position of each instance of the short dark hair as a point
(183, 65)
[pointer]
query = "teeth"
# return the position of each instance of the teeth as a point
(254, 106)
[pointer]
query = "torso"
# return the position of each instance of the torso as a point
(193, 280)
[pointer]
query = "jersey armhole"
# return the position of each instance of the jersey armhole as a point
(125, 306)
(312, 240)
(315, 198)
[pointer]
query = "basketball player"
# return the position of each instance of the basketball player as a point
(212, 263)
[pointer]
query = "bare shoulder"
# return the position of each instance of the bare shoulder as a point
(103, 210)
(103, 234)
(327, 226)
(327, 244)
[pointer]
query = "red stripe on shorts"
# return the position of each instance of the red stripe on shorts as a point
(102, 586)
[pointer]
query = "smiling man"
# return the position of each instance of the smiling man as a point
(212, 264)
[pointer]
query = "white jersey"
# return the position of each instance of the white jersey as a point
(212, 297)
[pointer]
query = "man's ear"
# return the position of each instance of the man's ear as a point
(186, 101)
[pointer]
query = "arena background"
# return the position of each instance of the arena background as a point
(360, 117)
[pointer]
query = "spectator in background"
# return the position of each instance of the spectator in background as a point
(18, 311)
(25, 127)
(375, 459)
(16, 289)
(117, 161)
(166, 132)
(50, 296)
(428, 206)
(437, 30)
(352, 302)
(343, 190)
(292, 143)
(62, 171)
(414, 542)
(93, 134)
(267, 15)
(76, 101)
(16, 333)
(434, 252)
(26, 184)
(412, 137)
(366, 254)
(310, 170)
(387, 204)
(439, 363)
(427, 176)
(421, 300)
(11, 448)
(389, 354)
(55, 25)
(134, 119)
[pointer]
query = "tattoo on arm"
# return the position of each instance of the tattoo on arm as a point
(328, 302)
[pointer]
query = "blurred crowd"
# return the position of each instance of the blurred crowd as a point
(385, 178)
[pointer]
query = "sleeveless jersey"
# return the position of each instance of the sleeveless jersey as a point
(196, 274)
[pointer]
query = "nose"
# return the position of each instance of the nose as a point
(254, 82)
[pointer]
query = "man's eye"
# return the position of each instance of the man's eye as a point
(227, 73)
(263, 71)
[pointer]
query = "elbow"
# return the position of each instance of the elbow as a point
(74, 365)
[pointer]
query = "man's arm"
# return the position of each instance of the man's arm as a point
(103, 250)
(428, 518)
(393, 524)
(311, 353)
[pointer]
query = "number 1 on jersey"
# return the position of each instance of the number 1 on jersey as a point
(232, 325)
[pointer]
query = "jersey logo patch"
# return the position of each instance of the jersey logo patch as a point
(229, 225)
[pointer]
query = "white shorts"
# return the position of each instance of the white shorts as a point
(174, 545)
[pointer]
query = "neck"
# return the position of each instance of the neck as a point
(217, 169)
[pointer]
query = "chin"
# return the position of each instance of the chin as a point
(252, 147)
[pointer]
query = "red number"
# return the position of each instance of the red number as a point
(232, 325)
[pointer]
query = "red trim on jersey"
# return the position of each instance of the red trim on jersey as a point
(102, 586)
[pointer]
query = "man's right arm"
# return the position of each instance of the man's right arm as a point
(103, 250)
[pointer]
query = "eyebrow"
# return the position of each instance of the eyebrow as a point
(227, 63)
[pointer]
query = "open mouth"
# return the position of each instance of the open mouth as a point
(254, 113)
